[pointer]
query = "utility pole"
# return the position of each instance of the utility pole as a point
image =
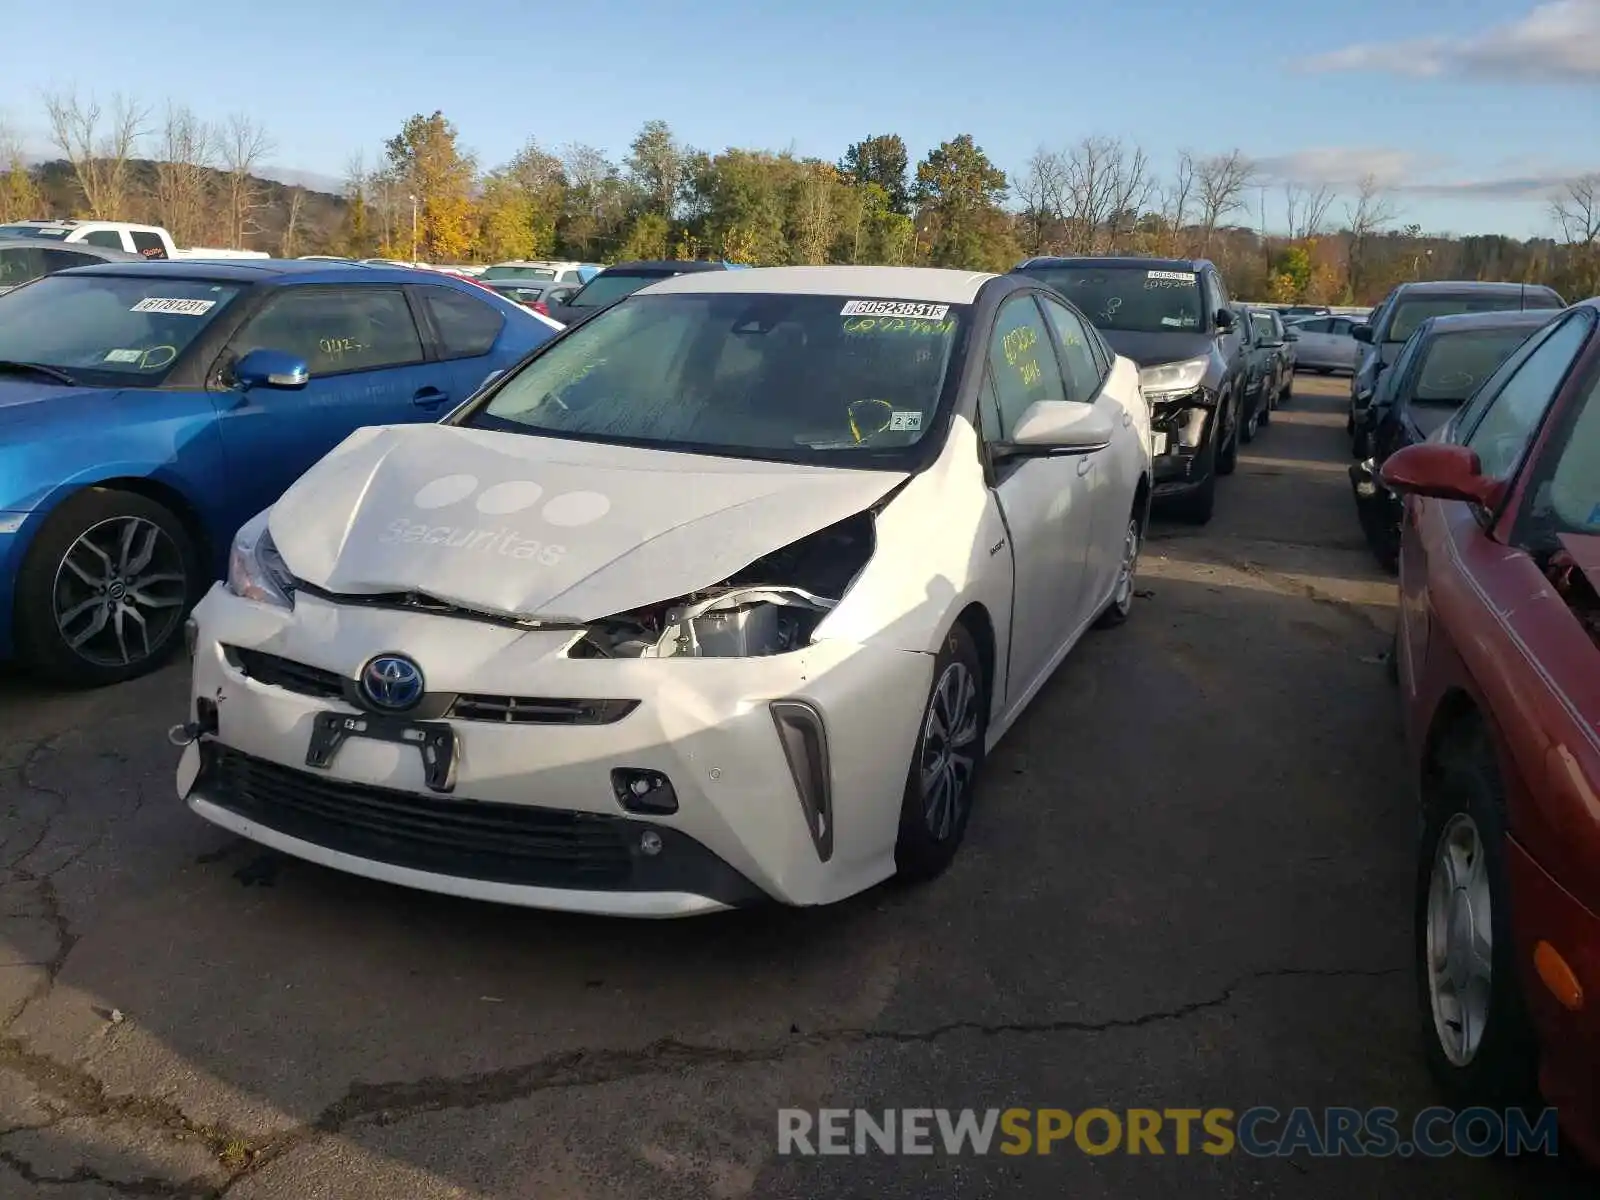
(413, 229)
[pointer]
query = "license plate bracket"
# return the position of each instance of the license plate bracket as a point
(436, 741)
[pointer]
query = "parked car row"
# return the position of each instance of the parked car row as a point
(1497, 658)
(1211, 370)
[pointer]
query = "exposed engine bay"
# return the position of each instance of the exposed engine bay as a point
(770, 607)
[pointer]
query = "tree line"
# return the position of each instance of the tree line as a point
(427, 197)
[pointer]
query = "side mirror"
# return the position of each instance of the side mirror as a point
(271, 369)
(1362, 333)
(1225, 321)
(1058, 427)
(1291, 335)
(1441, 470)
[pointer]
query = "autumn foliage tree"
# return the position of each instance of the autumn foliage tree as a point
(426, 158)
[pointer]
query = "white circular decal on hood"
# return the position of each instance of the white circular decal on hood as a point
(502, 499)
(576, 508)
(567, 510)
(449, 490)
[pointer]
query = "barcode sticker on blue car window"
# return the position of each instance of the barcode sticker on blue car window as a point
(188, 308)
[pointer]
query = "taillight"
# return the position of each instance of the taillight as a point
(540, 307)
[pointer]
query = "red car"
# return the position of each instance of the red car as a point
(1498, 660)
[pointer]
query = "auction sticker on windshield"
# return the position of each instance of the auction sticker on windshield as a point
(1176, 276)
(188, 308)
(894, 308)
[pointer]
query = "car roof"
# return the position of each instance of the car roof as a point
(927, 284)
(682, 265)
(1527, 318)
(266, 270)
(105, 253)
(1114, 260)
(1468, 287)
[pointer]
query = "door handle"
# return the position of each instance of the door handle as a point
(429, 397)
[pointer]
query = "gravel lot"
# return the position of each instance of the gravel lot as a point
(1187, 885)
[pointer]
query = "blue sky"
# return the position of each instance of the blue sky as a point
(1471, 110)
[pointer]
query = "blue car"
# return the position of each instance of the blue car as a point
(147, 410)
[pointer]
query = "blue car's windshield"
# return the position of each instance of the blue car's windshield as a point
(112, 329)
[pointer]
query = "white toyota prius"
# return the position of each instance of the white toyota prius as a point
(719, 597)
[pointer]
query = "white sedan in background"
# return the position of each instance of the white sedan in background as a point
(720, 597)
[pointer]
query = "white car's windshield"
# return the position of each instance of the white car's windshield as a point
(1130, 299)
(122, 329)
(794, 377)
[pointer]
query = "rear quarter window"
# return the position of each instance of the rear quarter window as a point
(467, 327)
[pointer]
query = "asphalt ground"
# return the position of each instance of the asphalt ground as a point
(1187, 885)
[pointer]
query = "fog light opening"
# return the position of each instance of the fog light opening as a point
(805, 745)
(641, 790)
(650, 843)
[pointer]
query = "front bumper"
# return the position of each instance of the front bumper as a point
(1186, 423)
(1569, 1040)
(534, 816)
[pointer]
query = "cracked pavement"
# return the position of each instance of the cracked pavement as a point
(1187, 884)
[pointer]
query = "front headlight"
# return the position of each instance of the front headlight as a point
(255, 569)
(1171, 378)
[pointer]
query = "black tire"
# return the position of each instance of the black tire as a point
(1121, 606)
(1502, 1069)
(1251, 425)
(926, 846)
(1227, 455)
(1288, 389)
(42, 647)
(1361, 444)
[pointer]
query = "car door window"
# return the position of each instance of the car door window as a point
(1467, 417)
(1078, 366)
(104, 237)
(1021, 363)
(336, 330)
(467, 327)
(1510, 420)
(18, 264)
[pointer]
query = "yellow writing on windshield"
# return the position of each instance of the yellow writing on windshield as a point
(1016, 346)
(907, 325)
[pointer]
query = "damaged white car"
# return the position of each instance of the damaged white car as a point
(719, 597)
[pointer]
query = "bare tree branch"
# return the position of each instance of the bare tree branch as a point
(297, 200)
(1222, 181)
(1176, 199)
(244, 145)
(99, 145)
(1040, 188)
(1307, 209)
(1371, 212)
(1576, 209)
(185, 158)
(1104, 185)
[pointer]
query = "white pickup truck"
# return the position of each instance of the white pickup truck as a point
(149, 241)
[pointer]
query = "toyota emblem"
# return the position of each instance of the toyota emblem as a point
(391, 682)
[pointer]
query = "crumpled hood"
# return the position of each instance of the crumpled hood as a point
(545, 527)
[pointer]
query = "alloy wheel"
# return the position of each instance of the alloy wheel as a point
(1123, 596)
(949, 750)
(1459, 940)
(119, 591)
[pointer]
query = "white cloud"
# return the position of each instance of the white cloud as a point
(1555, 42)
(1405, 173)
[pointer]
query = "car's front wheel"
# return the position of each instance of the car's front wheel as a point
(944, 766)
(103, 591)
(1475, 1028)
(1229, 415)
(1121, 605)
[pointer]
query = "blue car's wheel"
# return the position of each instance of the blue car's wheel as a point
(104, 589)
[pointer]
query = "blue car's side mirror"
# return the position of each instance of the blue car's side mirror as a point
(271, 369)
